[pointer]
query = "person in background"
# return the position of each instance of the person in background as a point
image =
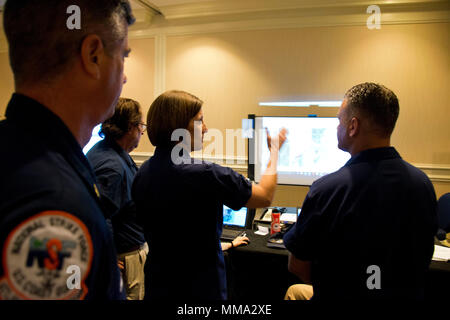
(115, 171)
(180, 202)
(54, 239)
(367, 230)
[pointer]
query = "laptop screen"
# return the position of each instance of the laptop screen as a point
(234, 218)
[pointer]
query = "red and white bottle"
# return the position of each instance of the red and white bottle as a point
(275, 226)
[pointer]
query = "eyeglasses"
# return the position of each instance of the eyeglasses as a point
(142, 126)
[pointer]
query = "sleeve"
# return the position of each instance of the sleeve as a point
(109, 183)
(50, 245)
(302, 239)
(230, 187)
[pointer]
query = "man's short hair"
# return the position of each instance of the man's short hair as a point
(127, 114)
(170, 111)
(376, 103)
(40, 44)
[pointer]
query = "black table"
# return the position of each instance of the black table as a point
(258, 273)
(438, 284)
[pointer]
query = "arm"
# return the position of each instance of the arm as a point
(262, 193)
(109, 183)
(300, 268)
(235, 243)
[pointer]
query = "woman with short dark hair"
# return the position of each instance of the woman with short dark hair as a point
(169, 112)
(127, 115)
(180, 201)
(115, 171)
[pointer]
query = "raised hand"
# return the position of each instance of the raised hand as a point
(278, 140)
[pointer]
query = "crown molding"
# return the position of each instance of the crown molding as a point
(238, 15)
(144, 18)
(147, 5)
(219, 16)
(275, 7)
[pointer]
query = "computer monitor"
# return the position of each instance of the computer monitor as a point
(309, 153)
(237, 218)
(95, 137)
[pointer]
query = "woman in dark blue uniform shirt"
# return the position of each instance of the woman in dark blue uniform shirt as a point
(180, 201)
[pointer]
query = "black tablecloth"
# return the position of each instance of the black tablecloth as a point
(258, 273)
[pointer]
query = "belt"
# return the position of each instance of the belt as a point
(132, 249)
(135, 248)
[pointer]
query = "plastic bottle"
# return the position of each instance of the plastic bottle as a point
(275, 226)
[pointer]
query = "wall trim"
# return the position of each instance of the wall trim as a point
(233, 15)
(238, 15)
(276, 8)
(238, 164)
(435, 172)
(160, 65)
(288, 23)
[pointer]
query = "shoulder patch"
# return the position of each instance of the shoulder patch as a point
(47, 256)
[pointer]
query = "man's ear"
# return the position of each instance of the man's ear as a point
(92, 52)
(354, 127)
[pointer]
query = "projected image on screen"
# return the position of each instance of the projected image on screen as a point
(234, 218)
(309, 153)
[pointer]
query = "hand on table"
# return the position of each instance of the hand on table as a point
(239, 241)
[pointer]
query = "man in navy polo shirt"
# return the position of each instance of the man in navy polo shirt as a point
(367, 230)
(54, 240)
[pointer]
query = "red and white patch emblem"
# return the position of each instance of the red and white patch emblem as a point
(48, 256)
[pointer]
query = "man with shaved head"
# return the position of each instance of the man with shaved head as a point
(367, 230)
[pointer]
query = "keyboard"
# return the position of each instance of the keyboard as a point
(228, 234)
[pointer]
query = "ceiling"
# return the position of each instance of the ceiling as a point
(262, 5)
(158, 2)
(169, 12)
